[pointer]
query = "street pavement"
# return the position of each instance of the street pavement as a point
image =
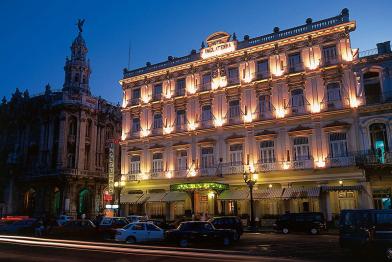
(251, 247)
(14, 248)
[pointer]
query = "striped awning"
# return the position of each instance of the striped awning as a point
(267, 193)
(342, 188)
(239, 194)
(301, 192)
(129, 198)
(151, 197)
(175, 196)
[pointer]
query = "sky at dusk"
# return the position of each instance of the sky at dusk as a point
(36, 35)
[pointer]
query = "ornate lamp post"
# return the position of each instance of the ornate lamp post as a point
(119, 186)
(250, 180)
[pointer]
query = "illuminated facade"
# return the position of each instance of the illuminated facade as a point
(283, 106)
(53, 146)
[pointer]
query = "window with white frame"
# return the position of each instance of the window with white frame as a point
(135, 125)
(267, 151)
(297, 100)
(233, 75)
(234, 110)
(338, 144)
(301, 148)
(330, 55)
(206, 81)
(236, 155)
(206, 114)
(265, 103)
(207, 157)
(157, 121)
(181, 119)
(134, 167)
(157, 162)
(182, 160)
(333, 92)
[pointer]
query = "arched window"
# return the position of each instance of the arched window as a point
(379, 140)
(29, 201)
(84, 201)
(372, 87)
(72, 126)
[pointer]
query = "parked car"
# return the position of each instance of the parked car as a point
(25, 226)
(198, 232)
(61, 220)
(367, 230)
(140, 232)
(160, 224)
(108, 226)
(78, 229)
(228, 222)
(135, 218)
(312, 222)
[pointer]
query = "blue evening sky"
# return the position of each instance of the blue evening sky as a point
(35, 36)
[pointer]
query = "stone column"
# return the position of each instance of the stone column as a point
(93, 145)
(62, 146)
(365, 196)
(80, 141)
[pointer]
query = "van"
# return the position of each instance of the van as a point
(311, 222)
(367, 229)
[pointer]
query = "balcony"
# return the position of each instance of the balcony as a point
(299, 164)
(331, 105)
(157, 131)
(133, 101)
(295, 68)
(330, 61)
(340, 161)
(156, 97)
(298, 108)
(261, 75)
(206, 123)
(371, 158)
(232, 168)
(180, 92)
(266, 166)
(157, 174)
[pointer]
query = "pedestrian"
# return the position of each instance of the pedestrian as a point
(39, 228)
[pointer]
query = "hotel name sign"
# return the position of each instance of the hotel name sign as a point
(218, 49)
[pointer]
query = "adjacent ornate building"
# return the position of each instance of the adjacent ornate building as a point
(54, 146)
(295, 108)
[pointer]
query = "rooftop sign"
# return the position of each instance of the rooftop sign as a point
(218, 49)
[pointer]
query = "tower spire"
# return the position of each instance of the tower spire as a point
(77, 68)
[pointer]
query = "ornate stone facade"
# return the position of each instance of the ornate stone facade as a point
(284, 106)
(54, 146)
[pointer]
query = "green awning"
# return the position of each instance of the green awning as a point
(186, 187)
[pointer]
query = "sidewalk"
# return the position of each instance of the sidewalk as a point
(332, 231)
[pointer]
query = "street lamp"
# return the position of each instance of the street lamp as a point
(119, 185)
(250, 179)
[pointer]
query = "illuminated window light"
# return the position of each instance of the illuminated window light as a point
(248, 78)
(223, 82)
(123, 136)
(211, 195)
(144, 176)
(280, 112)
(255, 177)
(313, 65)
(270, 185)
(214, 84)
(316, 108)
(252, 168)
(192, 89)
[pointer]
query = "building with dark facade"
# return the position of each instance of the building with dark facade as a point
(54, 146)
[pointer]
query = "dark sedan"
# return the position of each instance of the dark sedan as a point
(200, 232)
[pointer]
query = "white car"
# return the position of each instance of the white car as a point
(140, 232)
(63, 219)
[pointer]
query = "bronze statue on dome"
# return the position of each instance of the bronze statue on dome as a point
(80, 25)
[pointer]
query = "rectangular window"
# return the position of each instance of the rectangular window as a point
(295, 64)
(233, 76)
(182, 160)
(267, 152)
(157, 93)
(207, 157)
(301, 149)
(135, 96)
(234, 110)
(157, 162)
(135, 125)
(297, 101)
(206, 114)
(206, 82)
(262, 69)
(181, 120)
(338, 144)
(236, 155)
(157, 121)
(134, 167)
(180, 87)
(333, 95)
(265, 103)
(330, 55)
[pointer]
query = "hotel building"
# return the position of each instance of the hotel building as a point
(284, 107)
